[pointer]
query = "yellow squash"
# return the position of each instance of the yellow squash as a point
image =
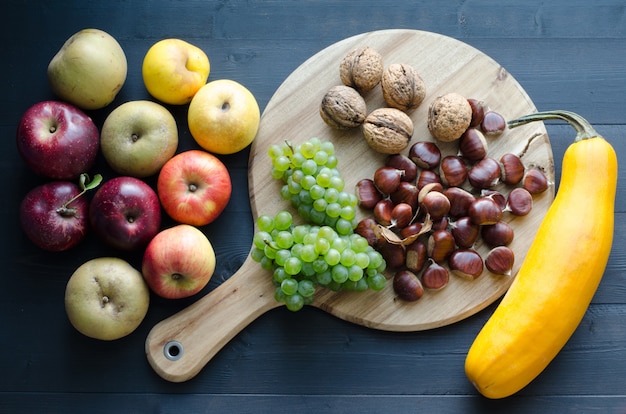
(561, 271)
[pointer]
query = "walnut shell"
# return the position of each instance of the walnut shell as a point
(362, 69)
(449, 116)
(403, 88)
(343, 107)
(388, 130)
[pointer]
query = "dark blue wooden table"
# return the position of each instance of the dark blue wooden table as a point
(565, 54)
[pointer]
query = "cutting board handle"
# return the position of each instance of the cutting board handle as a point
(178, 347)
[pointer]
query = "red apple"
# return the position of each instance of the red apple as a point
(194, 187)
(125, 213)
(57, 140)
(54, 215)
(178, 262)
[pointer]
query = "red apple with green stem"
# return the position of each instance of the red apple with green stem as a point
(125, 213)
(194, 187)
(178, 262)
(54, 215)
(57, 140)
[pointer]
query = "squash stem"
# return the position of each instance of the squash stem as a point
(583, 128)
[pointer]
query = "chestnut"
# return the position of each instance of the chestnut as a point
(519, 202)
(387, 179)
(500, 260)
(405, 193)
(466, 263)
(460, 201)
(382, 212)
(498, 234)
(478, 111)
(411, 230)
(512, 169)
(497, 196)
(403, 163)
(367, 228)
(436, 204)
(435, 276)
(440, 245)
(425, 154)
(407, 286)
(465, 232)
(401, 215)
(367, 193)
(452, 171)
(394, 254)
(427, 177)
(535, 181)
(484, 211)
(493, 123)
(473, 145)
(485, 173)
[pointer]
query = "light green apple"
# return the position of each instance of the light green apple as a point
(106, 298)
(89, 70)
(138, 137)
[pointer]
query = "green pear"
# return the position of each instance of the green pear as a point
(89, 69)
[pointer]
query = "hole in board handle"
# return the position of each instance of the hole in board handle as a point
(173, 350)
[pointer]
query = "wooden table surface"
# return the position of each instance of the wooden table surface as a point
(565, 54)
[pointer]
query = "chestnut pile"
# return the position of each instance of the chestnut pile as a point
(428, 210)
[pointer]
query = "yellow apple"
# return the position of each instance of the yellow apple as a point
(174, 70)
(106, 298)
(223, 117)
(89, 70)
(138, 137)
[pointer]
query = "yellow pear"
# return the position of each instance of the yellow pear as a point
(89, 69)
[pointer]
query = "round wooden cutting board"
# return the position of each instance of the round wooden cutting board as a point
(181, 345)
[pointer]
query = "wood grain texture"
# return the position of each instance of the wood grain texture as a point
(292, 115)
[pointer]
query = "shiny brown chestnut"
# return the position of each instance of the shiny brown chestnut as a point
(425, 154)
(493, 123)
(485, 173)
(386, 179)
(436, 204)
(498, 234)
(435, 276)
(407, 286)
(484, 211)
(405, 193)
(500, 260)
(465, 232)
(512, 169)
(478, 111)
(473, 145)
(366, 228)
(466, 263)
(440, 245)
(460, 200)
(427, 177)
(394, 254)
(535, 181)
(416, 256)
(367, 193)
(401, 215)
(519, 201)
(382, 212)
(452, 171)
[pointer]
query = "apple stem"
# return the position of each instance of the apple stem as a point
(85, 184)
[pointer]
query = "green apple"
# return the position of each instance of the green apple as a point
(89, 69)
(106, 298)
(138, 137)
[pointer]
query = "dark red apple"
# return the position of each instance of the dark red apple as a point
(48, 221)
(57, 140)
(125, 213)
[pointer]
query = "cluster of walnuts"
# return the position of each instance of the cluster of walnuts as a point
(387, 130)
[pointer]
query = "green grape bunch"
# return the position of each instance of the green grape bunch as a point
(325, 251)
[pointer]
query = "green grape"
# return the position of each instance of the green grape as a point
(307, 269)
(322, 245)
(328, 147)
(281, 163)
(267, 263)
(281, 256)
(308, 253)
(305, 197)
(284, 239)
(257, 254)
(361, 285)
(277, 174)
(309, 167)
(347, 212)
(336, 182)
(296, 249)
(289, 286)
(299, 232)
(304, 211)
(293, 265)
(317, 217)
(339, 273)
(333, 209)
(320, 157)
(260, 239)
(376, 259)
(317, 191)
(279, 275)
(320, 205)
(361, 259)
(265, 223)
(294, 187)
(355, 273)
(319, 265)
(294, 302)
(331, 195)
(359, 243)
(323, 179)
(270, 252)
(279, 295)
(310, 237)
(283, 220)
(327, 232)
(332, 161)
(285, 193)
(297, 176)
(347, 257)
(324, 278)
(306, 288)
(274, 151)
(297, 159)
(343, 226)
(376, 282)
(340, 244)
(332, 257)
(307, 149)
(307, 182)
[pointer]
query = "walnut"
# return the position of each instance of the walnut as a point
(343, 107)
(388, 130)
(402, 86)
(362, 69)
(449, 116)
